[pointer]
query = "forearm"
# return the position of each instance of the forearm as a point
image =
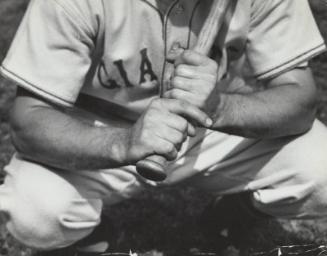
(270, 113)
(62, 140)
(281, 106)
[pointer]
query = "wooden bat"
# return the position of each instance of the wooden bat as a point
(153, 167)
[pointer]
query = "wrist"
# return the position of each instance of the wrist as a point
(117, 146)
(217, 113)
(228, 118)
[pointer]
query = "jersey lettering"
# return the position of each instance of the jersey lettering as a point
(103, 78)
(146, 68)
(119, 64)
(111, 84)
(146, 73)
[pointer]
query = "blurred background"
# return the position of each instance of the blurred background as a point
(165, 221)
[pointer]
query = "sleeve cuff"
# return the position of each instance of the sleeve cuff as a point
(35, 89)
(275, 71)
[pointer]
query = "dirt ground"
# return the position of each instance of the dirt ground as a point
(165, 222)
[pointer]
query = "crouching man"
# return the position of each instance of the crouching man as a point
(89, 75)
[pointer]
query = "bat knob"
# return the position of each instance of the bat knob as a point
(152, 168)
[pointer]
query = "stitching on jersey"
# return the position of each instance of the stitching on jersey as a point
(81, 23)
(33, 85)
(165, 25)
(293, 60)
(155, 8)
(257, 9)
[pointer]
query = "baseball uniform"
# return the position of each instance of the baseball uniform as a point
(114, 55)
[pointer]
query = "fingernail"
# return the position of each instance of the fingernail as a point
(209, 122)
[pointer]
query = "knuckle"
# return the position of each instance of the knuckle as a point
(206, 89)
(184, 125)
(184, 105)
(169, 148)
(212, 79)
(202, 99)
(213, 66)
(187, 53)
(174, 93)
(176, 80)
(213, 63)
(181, 137)
(176, 137)
(150, 114)
(181, 69)
(173, 154)
(146, 137)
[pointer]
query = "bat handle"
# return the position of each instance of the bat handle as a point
(152, 168)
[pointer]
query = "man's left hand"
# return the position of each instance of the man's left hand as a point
(195, 80)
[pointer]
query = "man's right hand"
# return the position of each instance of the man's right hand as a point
(163, 128)
(49, 135)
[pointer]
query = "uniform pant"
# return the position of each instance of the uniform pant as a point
(287, 177)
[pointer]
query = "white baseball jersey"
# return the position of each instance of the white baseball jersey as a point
(116, 50)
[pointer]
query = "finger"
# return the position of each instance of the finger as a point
(189, 111)
(166, 149)
(177, 122)
(173, 55)
(180, 95)
(185, 84)
(188, 71)
(192, 58)
(184, 109)
(193, 88)
(172, 135)
(181, 124)
(203, 73)
(191, 131)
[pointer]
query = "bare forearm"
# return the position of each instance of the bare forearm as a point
(68, 138)
(60, 140)
(274, 112)
(282, 105)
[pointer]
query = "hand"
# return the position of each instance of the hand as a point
(163, 128)
(195, 81)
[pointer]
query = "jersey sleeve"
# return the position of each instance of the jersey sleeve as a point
(50, 54)
(283, 34)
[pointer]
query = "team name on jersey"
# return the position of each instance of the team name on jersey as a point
(146, 73)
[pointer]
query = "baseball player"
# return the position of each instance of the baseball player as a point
(89, 75)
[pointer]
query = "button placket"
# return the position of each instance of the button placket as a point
(165, 81)
(176, 35)
(173, 46)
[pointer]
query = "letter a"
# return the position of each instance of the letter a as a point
(146, 68)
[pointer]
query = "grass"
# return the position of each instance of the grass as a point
(165, 221)
(10, 15)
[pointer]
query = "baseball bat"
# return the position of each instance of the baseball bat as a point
(153, 167)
